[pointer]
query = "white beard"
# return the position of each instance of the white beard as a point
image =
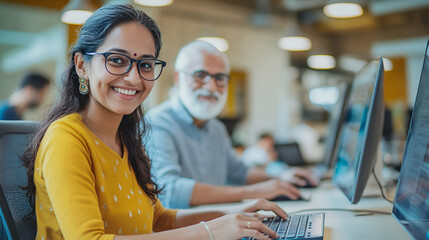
(202, 109)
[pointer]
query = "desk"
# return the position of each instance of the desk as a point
(341, 225)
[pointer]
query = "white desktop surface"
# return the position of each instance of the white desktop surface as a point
(346, 225)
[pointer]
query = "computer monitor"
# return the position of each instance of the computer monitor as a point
(411, 205)
(335, 124)
(361, 132)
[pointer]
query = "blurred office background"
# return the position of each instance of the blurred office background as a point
(272, 89)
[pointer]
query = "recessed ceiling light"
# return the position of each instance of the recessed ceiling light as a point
(154, 3)
(75, 17)
(387, 64)
(343, 10)
(321, 62)
(294, 43)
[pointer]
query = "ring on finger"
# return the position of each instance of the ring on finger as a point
(248, 225)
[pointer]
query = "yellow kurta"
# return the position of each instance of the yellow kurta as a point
(85, 190)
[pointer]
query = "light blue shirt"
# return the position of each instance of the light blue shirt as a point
(182, 154)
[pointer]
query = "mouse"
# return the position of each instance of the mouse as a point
(286, 198)
(307, 184)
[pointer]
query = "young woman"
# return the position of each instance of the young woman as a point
(89, 177)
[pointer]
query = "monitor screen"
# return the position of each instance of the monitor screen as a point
(411, 206)
(335, 123)
(361, 132)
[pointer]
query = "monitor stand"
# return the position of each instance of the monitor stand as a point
(372, 189)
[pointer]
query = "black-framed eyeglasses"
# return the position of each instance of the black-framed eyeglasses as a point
(119, 64)
(203, 77)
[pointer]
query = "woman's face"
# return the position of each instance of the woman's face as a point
(120, 94)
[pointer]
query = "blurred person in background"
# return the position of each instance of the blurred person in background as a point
(263, 155)
(191, 151)
(29, 95)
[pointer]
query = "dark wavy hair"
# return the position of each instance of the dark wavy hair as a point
(132, 127)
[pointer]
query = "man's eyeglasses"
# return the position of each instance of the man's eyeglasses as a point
(203, 77)
(119, 64)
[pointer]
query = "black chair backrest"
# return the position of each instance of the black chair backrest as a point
(14, 137)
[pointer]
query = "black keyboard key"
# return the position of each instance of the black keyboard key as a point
(302, 226)
(296, 226)
(274, 225)
(293, 226)
(283, 227)
(267, 221)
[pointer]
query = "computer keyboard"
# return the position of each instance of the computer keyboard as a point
(298, 226)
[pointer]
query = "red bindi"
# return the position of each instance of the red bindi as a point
(135, 54)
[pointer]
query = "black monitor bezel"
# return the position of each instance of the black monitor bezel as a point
(371, 137)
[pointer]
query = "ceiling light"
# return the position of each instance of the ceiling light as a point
(75, 17)
(343, 10)
(220, 43)
(387, 64)
(76, 12)
(294, 43)
(154, 3)
(321, 62)
(294, 39)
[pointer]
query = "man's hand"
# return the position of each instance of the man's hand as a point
(271, 189)
(299, 177)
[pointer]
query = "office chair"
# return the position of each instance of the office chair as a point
(14, 137)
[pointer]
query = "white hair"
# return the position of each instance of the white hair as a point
(193, 50)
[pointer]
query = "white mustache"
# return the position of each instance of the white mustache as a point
(207, 93)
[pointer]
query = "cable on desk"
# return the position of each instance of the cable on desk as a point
(381, 187)
(342, 209)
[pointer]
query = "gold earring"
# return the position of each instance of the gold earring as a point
(83, 87)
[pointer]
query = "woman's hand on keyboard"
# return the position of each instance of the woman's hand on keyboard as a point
(260, 204)
(237, 226)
